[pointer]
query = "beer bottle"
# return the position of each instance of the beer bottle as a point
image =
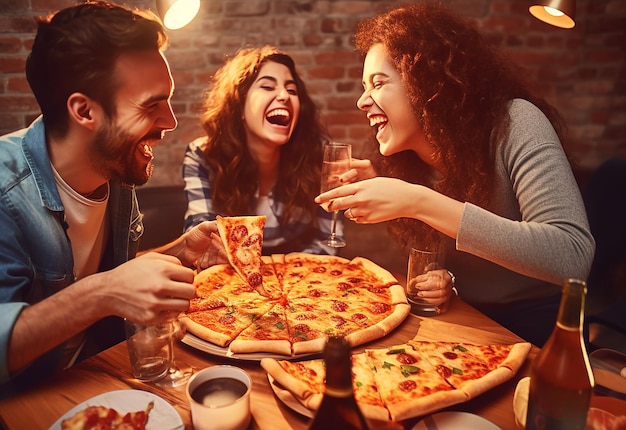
(561, 381)
(338, 408)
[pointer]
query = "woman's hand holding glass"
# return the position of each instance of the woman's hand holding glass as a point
(371, 200)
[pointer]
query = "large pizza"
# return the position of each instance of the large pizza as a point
(306, 297)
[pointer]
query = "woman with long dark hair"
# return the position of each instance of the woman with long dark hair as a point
(262, 153)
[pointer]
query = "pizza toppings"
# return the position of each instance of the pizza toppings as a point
(308, 297)
(408, 380)
(243, 241)
(104, 418)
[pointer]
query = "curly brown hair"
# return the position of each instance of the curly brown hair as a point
(233, 170)
(459, 87)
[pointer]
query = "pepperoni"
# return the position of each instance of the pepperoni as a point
(314, 293)
(444, 371)
(355, 280)
(227, 319)
(319, 269)
(376, 290)
(339, 306)
(380, 308)
(336, 272)
(343, 286)
(252, 240)
(255, 279)
(450, 355)
(339, 321)
(238, 233)
(303, 370)
(301, 327)
(359, 318)
(407, 386)
(405, 358)
(306, 317)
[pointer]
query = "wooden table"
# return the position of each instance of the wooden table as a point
(39, 408)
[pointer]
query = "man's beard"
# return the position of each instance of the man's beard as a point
(113, 155)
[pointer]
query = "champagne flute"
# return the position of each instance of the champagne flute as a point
(178, 372)
(336, 162)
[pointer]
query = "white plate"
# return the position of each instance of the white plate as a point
(288, 399)
(210, 348)
(162, 416)
(454, 421)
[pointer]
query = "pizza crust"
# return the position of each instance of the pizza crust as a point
(399, 314)
(492, 379)
(383, 274)
(517, 356)
(301, 390)
(276, 346)
(369, 334)
(205, 333)
(309, 346)
(426, 405)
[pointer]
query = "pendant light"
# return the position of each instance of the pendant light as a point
(560, 13)
(177, 13)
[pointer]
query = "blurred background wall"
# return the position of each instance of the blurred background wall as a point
(582, 70)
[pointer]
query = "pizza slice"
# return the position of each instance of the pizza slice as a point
(308, 325)
(243, 241)
(220, 286)
(365, 389)
(303, 379)
(408, 384)
(268, 333)
(102, 417)
(471, 368)
(221, 325)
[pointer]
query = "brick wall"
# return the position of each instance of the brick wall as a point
(581, 70)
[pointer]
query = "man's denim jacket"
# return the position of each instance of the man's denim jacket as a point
(35, 252)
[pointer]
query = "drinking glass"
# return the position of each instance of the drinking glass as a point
(336, 162)
(178, 372)
(421, 263)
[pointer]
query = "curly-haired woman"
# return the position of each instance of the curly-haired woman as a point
(262, 153)
(472, 162)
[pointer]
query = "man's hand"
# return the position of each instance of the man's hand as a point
(203, 246)
(199, 247)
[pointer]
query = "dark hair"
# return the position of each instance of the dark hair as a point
(233, 169)
(459, 88)
(75, 50)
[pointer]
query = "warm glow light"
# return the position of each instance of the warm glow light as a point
(559, 13)
(177, 13)
(553, 12)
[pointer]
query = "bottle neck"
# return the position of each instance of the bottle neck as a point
(338, 367)
(571, 310)
(339, 375)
